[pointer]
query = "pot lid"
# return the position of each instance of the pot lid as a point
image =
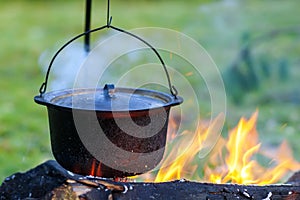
(108, 99)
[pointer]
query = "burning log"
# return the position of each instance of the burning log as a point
(50, 181)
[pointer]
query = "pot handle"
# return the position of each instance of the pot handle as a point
(172, 88)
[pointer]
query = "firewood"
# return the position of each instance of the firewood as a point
(50, 181)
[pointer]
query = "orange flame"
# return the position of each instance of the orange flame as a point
(230, 161)
(95, 169)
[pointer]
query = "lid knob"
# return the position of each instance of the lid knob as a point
(109, 90)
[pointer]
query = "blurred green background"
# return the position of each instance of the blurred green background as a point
(254, 43)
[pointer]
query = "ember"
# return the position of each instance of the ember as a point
(238, 165)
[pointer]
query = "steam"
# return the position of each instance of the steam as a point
(73, 67)
(65, 67)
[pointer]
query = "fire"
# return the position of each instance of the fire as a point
(232, 160)
(241, 146)
(96, 169)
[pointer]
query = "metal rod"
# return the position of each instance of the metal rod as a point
(107, 17)
(87, 25)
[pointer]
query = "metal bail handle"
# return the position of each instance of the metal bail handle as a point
(172, 88)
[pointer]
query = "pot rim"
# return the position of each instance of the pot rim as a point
(167, 100)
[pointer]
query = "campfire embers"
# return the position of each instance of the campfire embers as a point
(50, 181)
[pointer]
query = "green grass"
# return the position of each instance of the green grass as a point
(30, 27)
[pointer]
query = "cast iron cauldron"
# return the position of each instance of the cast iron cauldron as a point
(108, 132)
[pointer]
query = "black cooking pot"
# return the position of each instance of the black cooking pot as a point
(108, 132)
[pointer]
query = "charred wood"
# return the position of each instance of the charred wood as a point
(50, 181)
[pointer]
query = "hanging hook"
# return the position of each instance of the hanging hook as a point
(109, 22)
